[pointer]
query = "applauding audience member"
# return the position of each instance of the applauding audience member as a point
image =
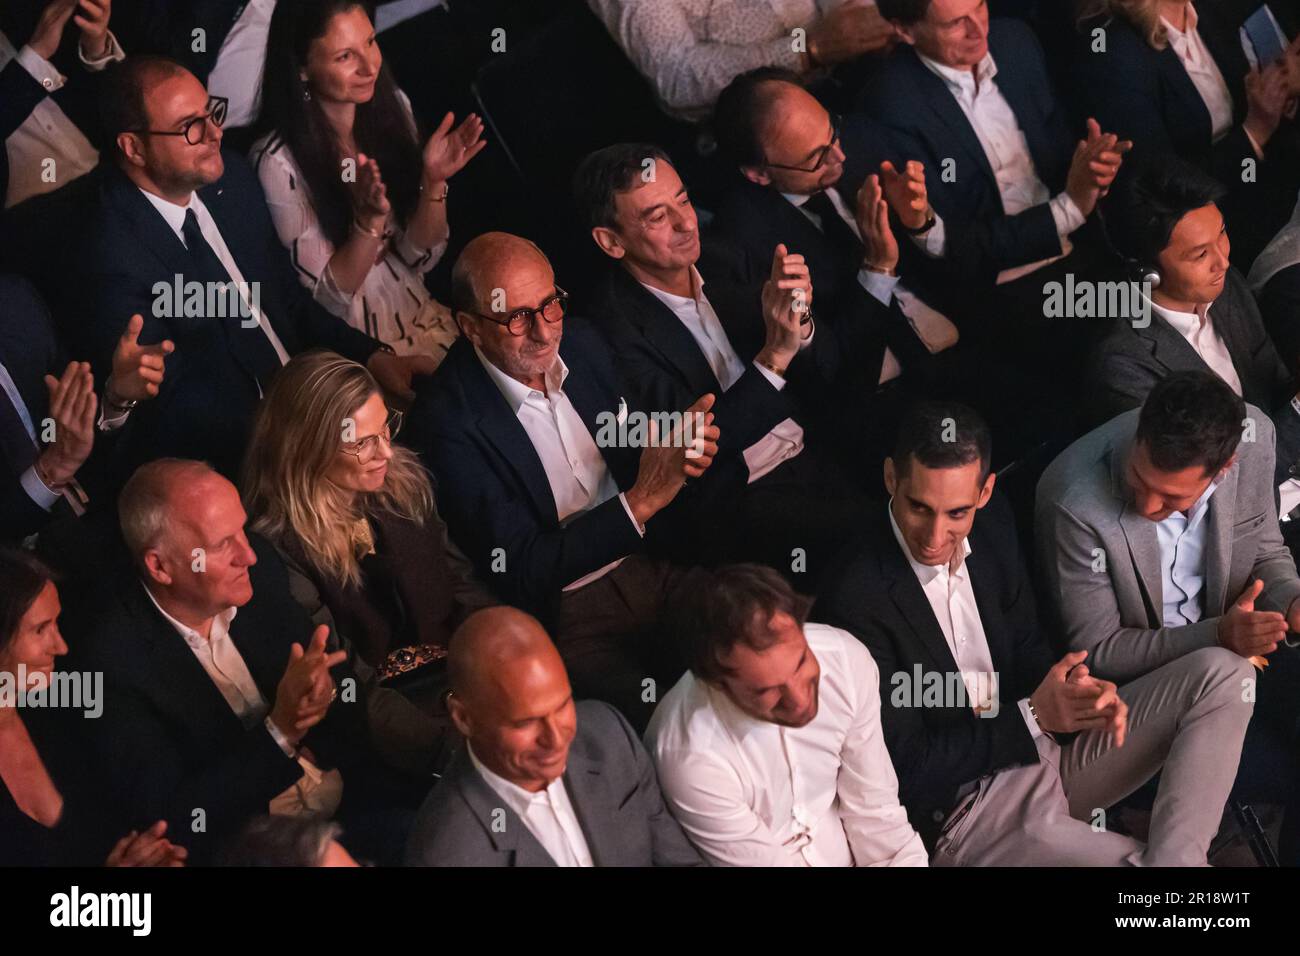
(937, 592)
(48, 812)
(225, 702)
(524, 429)
(183, 239)
(674, 340)
(770, 750)
(544, 780)
(361, 208)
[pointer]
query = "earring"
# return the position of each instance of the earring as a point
(306, 94)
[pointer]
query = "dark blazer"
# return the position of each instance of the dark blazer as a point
(168, 26)
(495, 494)
(756, 218)
(666, 371)
(20, 94)
(878, 598)
(415, 589)
(1130, 361)
(28, 351)
(927, 124)
(211, 387)
(609, 778)
(168, 743)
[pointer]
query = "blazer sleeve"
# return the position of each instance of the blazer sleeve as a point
(20, 94)
(19, 515)
(484, 512)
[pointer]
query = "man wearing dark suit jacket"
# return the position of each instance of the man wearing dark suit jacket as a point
(771, 492)
(970, 694)
(548, 481)
(217, 713)
(1200, 315)
(182, 238)
(542, 781)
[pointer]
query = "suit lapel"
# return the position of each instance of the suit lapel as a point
(983, 578)
(1139, 536)
(507, 833)
(149, 226)
(936, 95)
(666, 333)
(593, 804)
(1218, 544)
(912, 604)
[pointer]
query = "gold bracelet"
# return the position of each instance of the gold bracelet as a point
(446, 188)
(369, 232)
(772, 367)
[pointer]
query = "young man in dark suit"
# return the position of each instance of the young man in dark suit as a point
(182, 238)
(754, 345)
(547, 480)
(971, 697)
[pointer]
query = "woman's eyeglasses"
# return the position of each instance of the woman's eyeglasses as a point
(367, 448)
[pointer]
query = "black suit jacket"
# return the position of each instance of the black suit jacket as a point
(666, 371)
(168, 743)
(611, 782)
(927, 124)
(494, 490)
(1130, 361)
(20, 94)
(878, 598)
(210, 391)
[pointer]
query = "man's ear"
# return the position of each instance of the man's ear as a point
(987, 491)
(132, 147)
(468, 327)
(755, 174)
(905, 33)
(609, 242)
(459, 716)
(891, 477)
(1228, 464)
(155, 568)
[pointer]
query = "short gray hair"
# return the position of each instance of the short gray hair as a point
(281, 841)
(143, 505)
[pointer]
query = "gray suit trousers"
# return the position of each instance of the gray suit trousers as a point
(1186, 720)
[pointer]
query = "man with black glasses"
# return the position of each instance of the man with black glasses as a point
(182, 253)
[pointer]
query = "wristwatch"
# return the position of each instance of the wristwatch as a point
(926, 226)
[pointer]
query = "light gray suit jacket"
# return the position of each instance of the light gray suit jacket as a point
(1101, 560)
(609, 778)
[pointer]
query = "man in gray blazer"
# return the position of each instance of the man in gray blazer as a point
(542, 780)
(1158, 536)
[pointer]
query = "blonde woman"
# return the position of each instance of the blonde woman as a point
(353, 513)
(1181, 77)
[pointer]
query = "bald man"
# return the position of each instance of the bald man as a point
(224, 702)
(543, 780)
(547, 478)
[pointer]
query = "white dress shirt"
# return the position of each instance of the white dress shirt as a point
(237, 74)
(317, 792)
(1202, 71)
(579, 478)
(48, 133)
(995, 125)
(935, 330)
(548, 814)
(392, 303)
(1182, 562)
(752, 793)
(1200, 333)
(951, 595)
(785, 440)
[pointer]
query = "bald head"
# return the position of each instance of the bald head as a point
(149, 500)
(487, 263)
(511, 697)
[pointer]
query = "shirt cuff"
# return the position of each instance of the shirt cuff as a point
(281, 740)
(777, 381)
(934, 241)
(41, 69)
(111, 423)
(640, 528)
(114, 54)
(37, 490)
(1254, 143)
(807, 340)
(879, 285)
(1066, 214)
(1034, 730)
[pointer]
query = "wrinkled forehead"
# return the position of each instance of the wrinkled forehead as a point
(175, 99)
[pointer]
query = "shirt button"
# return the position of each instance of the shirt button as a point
(48, 83)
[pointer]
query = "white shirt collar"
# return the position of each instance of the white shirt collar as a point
(220, 623)
(962, 80)
(1185, 323)
(516, 392)
(174, 214)
(925, 573)
(678, 302)
(507, 789)
(798, 200)
(1192, 20)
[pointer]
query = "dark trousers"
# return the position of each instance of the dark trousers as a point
(615, 641)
